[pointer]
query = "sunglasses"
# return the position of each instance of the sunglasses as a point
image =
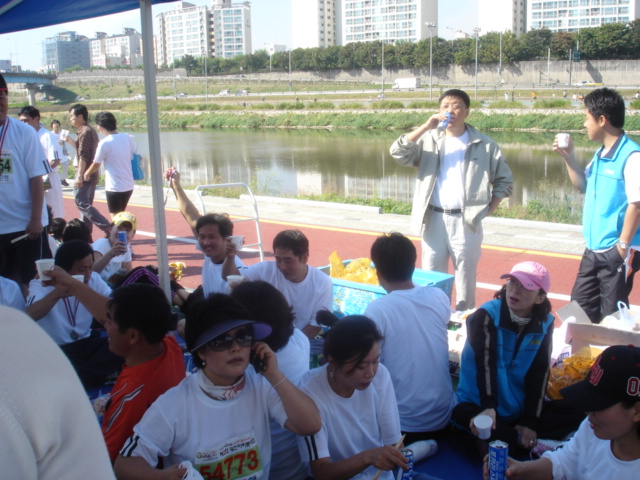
(244, 338)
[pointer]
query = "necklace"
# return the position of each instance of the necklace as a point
(519, 320)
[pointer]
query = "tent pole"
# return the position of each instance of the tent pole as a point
(155, 159)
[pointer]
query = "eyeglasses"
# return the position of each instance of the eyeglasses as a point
(455, 106)
(244, 338)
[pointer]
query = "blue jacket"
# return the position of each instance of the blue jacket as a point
(504, 369)
(605, 201)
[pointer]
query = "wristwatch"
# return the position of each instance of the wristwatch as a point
(623, 246)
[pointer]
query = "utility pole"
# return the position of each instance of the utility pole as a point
(431, 26)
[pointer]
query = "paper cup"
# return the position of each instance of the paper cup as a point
(80, 278)
(483, 424)
(563, 140)
(42, 266)
(237, 241)
(234, 280)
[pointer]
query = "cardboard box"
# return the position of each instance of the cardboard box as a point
(582, 332)
(352, 298)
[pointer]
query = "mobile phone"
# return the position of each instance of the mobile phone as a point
(258, 364)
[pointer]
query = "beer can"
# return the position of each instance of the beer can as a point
(122, 237)
(442, 126)
(498, 455)
(400, 474)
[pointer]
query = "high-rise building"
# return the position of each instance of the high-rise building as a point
(572, 15)
(66, 50)
(186, 30)
(116, 50)
(314, 23)
(503, 16)
(231, 28)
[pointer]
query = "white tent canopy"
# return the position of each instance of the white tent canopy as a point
(17, 15)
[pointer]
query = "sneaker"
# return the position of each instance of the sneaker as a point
(64, 183)
(423, 449)
(544, 445)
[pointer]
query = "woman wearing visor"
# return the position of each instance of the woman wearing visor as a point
(218, 418)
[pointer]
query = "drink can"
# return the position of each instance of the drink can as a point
(400, 474)
(498, 455)
(444, 123)
(122, 237)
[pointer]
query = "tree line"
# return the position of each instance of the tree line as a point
(611, 41)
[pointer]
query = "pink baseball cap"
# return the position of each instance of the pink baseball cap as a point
(531, 275)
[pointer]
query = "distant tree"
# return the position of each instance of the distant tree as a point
(404, 54)
(561, 44)
(610, 40)
(535, 44)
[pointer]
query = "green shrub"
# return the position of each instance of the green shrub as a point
(506, 104)
(263, 106)
(552, 103)
(387, 105)
(352, 106)
(320, 106)
(429, 104)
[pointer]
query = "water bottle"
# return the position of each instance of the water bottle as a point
(442, 126)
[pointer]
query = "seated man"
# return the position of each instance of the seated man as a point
(68, 320)
(413, 321)
(306, 288)
(210, 230)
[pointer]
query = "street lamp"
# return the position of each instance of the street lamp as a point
(290, 82)
(271, 52)
(476, 31)
(382, 69)
(431, 26)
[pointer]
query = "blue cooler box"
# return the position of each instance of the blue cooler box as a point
(352, 298)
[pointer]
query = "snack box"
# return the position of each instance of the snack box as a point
(352, 298)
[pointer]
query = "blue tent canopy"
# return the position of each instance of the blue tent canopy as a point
(18, 15)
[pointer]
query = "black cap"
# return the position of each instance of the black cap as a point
(614, 377)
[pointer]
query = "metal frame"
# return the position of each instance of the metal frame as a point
(256, 219)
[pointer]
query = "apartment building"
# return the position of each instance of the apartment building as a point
(572, 15)
(185, 30)
(314, 23)
(116, 50)
(502, 16)
(231, 28)
(66, 50)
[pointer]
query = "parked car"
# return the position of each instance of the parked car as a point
(139, 97)
(242, 93)
(224, 93)
(181, 95)
(587, 83)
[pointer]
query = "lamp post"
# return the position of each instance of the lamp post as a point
(382, 69)
(476, 31)
(271, 52)
(290, 82)
(431, 26)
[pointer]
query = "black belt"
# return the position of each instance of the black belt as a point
(448, 211)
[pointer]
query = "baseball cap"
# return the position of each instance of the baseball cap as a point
(531, 275)
(614, 377)
(3, 83)
(123, 217)
(260, 331)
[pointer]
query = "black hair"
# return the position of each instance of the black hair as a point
(293, 240)
(607, 102)
(79, 109)
(107, 121)
(76, 229)
(54, 121)
(454, 92)
(225, 225)
(143, 307)
(267, 305)
(394, 256)
(56, 227)
(351, 339)
(207, 312)
(70, 252)
(629, 403)
(539, 310)
(32, 112)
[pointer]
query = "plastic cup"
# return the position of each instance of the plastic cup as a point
(483, 425)
(237, 241)
(234, 280)
(80, 278)
(42, 266)
(563, 140)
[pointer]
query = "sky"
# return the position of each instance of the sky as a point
(271, 23)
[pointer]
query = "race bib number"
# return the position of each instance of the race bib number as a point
(236, 459)
(6, 167)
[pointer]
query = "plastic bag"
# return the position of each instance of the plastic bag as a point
(570, 370)
(358, 270)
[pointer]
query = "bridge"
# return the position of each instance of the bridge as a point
(33, 82)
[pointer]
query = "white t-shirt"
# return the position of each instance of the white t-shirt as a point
(102, 245)
(293, 361)
(212, 281)
(414, 325)
(22, 158)
(11, 295)
(449, 189)
(115, 152)
(50, 144)
(309, 296)
(367, 419)
(68, 320)
(49, 430)
(586, 457)
(185, 424)
(63, 158)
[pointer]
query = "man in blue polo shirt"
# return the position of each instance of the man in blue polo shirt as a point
(611, 183)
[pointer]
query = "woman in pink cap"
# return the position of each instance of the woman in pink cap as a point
(505, 360)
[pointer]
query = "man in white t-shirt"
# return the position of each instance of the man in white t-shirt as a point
(53, 150)
(413, 321)
(210, 230)
(306, 288)
(462, 178)
(22, 207)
